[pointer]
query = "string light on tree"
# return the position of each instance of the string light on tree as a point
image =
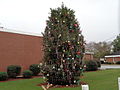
(63, 48)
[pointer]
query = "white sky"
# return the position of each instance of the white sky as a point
(98, 18)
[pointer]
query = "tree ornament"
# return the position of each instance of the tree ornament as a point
(58, 21)
(53, 67)
(58, 69)
(78, 56)
(59, 36)
(78, 42)
(62, 60)
(70, 27)
(43, 77)
(72, 58)
(68, 12)
(71, 30)
(49, 49)
(63, 21)
(78, 53)
(61, 66)
(73, 67)
(68, 58)
(73, 38)
(63, 50)
(47, 74)
(74, 81)
(40, 64)
(75, 25)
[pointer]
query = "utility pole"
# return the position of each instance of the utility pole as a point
(119, 15)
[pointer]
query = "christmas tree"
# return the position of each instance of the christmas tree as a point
(63, 48)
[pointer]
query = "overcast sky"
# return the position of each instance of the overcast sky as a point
(98, 18)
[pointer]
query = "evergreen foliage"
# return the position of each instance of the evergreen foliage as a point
(13, 70)
(91, 65)
(3, 76)
(35, 69)
(27, 74)
(63, 47)
(116, 44)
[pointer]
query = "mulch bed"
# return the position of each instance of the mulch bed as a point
(45, 84)
(20, 78)
(62, 86)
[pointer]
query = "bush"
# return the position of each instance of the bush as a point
(108, 63)
(3, 76)
(13, 70)
(91, 65)
(98, 63)
(35, 69)
(118, 62)
(27, 74)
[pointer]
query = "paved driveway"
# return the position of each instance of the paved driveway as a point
(104, 66)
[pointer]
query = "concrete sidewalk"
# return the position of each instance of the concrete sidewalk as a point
(106, 66)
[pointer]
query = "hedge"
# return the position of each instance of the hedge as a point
(35, 69)
(3, 76)
(27, 74)
(13, 70)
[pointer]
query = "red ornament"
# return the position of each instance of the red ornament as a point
(71, 30)
(75, 25)
(78, 53)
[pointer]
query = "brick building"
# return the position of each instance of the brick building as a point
(113, 58)
(88, 56)
(21, 48)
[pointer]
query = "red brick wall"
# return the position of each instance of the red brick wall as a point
(117, 59)
(19, 49)
(110, 59)
(23, 50)
(88, 57)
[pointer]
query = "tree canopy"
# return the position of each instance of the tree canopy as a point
(116, 44)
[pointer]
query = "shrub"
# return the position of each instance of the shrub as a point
(118, 62)
(13, 70)
(98, 63)
(35, 69)
(91, 65)
(108, 63)
(3, 76)
(27, 74)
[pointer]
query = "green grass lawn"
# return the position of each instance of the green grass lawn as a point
(100, 80)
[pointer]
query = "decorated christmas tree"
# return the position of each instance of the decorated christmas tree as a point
(63, 48)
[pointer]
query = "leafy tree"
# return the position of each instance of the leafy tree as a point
(63, 47)
(100, 49)
(116, 44)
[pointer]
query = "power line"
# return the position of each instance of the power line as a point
(110, 38)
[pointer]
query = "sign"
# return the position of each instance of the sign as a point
(118, 83)
(85, 87)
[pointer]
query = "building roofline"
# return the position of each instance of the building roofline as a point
(89, 52)
(112, 56)
(19, 32)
